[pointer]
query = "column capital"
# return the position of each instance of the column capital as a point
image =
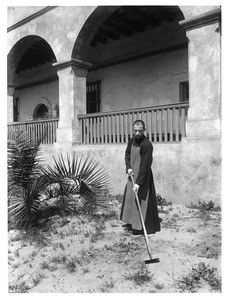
(72, 63)
(10, 89)
(202, 20)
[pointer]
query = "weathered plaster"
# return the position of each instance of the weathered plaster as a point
(18, 13)
(145, 82)
(29, 98)
(72, 102)
(10, 109)
(183, 172)
(62, 19)
(193, 11)
(205, 81)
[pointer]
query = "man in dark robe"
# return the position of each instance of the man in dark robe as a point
(138, 158)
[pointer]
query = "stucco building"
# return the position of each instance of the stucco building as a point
(82, 74)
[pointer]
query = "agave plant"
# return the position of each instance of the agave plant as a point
(79, 183)
(25, 178)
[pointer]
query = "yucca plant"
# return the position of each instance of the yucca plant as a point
(25, 178)
(80, 183)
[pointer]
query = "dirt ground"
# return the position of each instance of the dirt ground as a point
(96, 255)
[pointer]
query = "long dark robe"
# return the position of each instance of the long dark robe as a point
(139, 157)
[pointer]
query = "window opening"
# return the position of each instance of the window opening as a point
(93, 97)
(16, 110)
(184, 91)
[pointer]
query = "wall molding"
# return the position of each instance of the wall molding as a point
(31, 17)
(72, 62)
(202, 20)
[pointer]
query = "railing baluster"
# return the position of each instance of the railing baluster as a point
(165, 112)
(177, 124)
(131, 121)
(171, 125)
(90, 131)
(144, 119)
(113, 129)
(182, 122)
(117, 129)
(126, 127)
(87, 130)
(94, 131)
(102, 127)
(160, 126)
(106, 129)
(149, 124)
(82, 131)
(122, 128)
(155, 126)
(109, 129)
(98, 129)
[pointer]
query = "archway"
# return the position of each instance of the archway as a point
(113, 22)
(30, 51)
(31, 74)
(124, 37)
(41, 112)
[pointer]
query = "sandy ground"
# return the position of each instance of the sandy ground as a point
(96, 255)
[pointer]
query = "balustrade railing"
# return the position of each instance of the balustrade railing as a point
(39, 129)
(165, 123)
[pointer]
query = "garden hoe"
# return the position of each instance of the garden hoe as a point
(151, 260)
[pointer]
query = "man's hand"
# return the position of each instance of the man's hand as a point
(135, 187)
(130, 172)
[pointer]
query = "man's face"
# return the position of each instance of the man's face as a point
(138, 131)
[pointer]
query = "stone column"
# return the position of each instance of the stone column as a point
(72, 100)
(204, 54)
(10, 103)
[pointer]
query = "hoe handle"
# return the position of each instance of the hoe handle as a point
(141, 217)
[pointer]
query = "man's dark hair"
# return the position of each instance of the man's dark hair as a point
(138, 122)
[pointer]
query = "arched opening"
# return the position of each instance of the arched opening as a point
(41, 112)
(139, 56)
(31, 72)
(137, 53)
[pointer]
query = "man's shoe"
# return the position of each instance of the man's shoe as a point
(137, 232)
(127, 227)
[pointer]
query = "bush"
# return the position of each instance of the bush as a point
(192, 281)
(161, 202)
(77, 184)
(204, 206)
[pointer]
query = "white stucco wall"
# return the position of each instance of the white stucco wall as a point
(183, 172)
(29, 98)
(149, 81)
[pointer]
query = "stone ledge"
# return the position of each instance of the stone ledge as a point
(72, 62)
(201, 20)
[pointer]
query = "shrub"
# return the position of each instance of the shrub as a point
(161, 202)
(19, 288)
(77, 184)
(204, 206)
(141, 276)
(192, 281)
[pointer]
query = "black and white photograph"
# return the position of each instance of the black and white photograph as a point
(114, 147)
